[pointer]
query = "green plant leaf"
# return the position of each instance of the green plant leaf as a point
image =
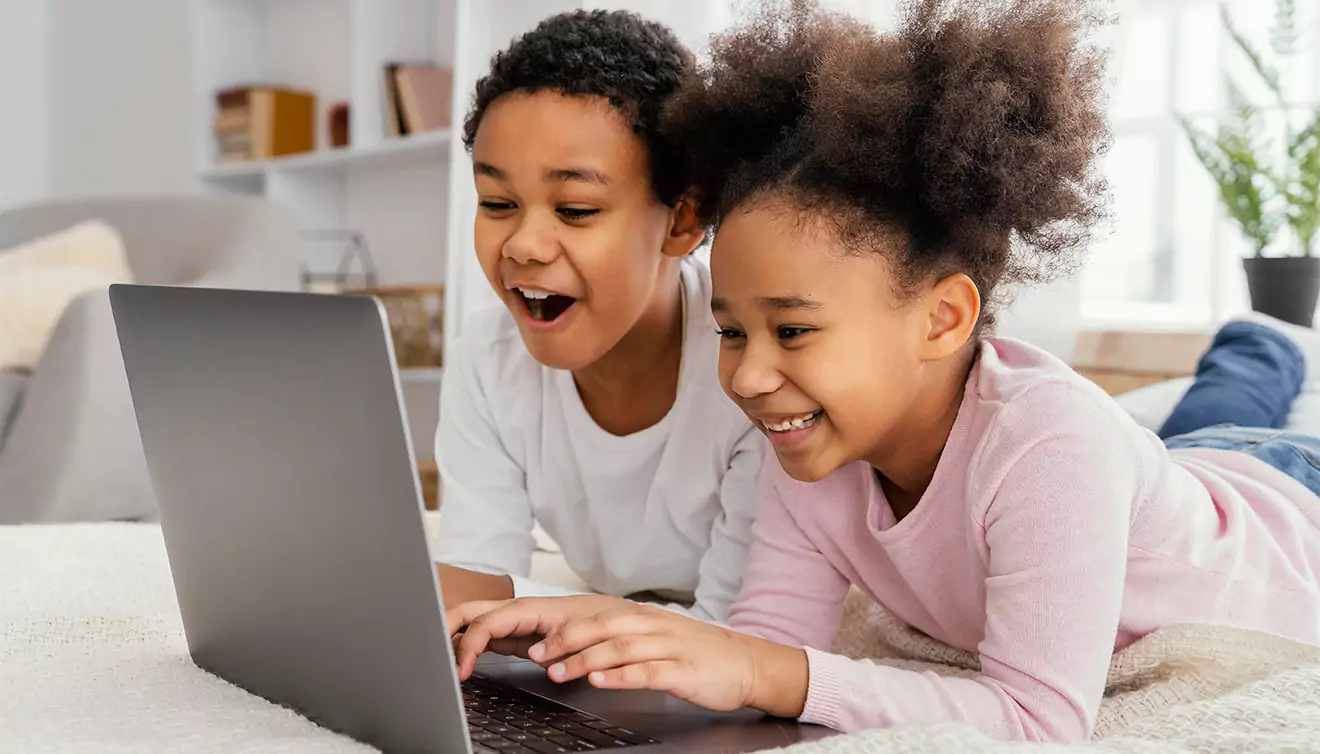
(1284, 36)
(1301, 190)
(1242, 182)
(1267, 73)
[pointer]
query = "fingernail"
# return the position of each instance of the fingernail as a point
(536, 652)
(596, 678)
(557, 670)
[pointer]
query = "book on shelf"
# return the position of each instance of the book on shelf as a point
(417, 97)
(261, 122)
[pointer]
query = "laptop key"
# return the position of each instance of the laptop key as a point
(628, 737)
(500, 729)
(545, 747)
(571, 744)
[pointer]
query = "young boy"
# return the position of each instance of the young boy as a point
(589, 402)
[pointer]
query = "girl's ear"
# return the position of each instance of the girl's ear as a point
(685, 231)
(953, 307)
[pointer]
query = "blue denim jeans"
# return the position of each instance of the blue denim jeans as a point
(1245, 386)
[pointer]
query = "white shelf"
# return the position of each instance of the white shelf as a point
(406, 151)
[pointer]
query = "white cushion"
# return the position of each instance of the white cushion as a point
(39, 280)
(1152, 404)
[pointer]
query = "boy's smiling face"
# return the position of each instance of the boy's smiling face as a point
(569, 230)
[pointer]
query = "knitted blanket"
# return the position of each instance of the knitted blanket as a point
(93, 658)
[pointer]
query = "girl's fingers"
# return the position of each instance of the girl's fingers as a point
(660, 675)
(577, 634)
(459, 617)
(618, 652)
(520, 618)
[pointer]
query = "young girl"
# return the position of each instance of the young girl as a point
(587, 401)
(872, 193)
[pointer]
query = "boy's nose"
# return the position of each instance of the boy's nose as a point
(531, 245)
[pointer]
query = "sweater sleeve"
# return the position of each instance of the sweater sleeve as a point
(486, 520)
(791, 594)
(1055, 539)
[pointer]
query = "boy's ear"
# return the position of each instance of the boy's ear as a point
(685, 231)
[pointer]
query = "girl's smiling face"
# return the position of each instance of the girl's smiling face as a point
(821, 348)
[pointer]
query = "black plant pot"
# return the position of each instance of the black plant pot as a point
(1285, 288)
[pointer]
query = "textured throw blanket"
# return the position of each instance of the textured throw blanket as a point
(92, 658)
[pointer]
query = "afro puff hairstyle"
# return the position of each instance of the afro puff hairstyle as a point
(637, 65)
(973, 131)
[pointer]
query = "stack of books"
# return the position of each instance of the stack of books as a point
(261, 122)
(417, 98)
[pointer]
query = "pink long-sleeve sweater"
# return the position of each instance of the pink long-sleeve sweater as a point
(1054, 531)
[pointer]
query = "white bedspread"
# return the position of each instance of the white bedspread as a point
(92, 658)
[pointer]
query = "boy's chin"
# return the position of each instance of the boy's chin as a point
(562, 349)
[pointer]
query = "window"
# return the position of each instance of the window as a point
(1171, 257)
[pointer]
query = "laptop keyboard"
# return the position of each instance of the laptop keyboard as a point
(508, 720)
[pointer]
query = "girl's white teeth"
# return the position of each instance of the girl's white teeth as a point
(534, 294)
(801, 422)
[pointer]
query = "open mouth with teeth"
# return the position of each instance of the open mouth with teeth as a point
(544, 306)
(797, 422)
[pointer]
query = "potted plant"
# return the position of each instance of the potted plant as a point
(1265, 186)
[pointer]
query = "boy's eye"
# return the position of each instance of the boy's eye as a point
(728, 333)
(576, 213)
(494, 206)
(788, 332)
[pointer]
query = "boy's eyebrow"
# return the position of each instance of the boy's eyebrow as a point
(586, 175)
(719, 305)
(487, 169)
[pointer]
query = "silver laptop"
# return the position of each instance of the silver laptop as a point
(292, 516)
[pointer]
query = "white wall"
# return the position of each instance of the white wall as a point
(23, 92)
(120, 90)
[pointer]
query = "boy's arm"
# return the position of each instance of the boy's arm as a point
(485, 529)
(720, 573)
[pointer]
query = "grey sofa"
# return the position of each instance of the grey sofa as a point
(69, 444)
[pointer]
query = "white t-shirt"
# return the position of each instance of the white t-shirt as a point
(666, 510)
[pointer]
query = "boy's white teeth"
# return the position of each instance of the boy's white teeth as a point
(799, 422)
(532, 293)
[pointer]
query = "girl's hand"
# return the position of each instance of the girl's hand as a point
(517, 625)
(618, 644)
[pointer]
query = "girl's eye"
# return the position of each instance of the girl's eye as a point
(493, 206)
(576, 213)
(788, 333)
(727, 333)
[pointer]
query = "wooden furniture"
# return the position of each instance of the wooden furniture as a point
(1120, 361)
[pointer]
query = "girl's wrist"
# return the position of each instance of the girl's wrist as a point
(780, 678)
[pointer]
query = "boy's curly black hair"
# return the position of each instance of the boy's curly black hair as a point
(637, 65)
(973, 131)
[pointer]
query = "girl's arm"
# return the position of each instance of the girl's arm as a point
(1056, 538)
(791, 593)
(720, 573)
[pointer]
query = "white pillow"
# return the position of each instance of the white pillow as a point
(39, 280)
(1152, 404)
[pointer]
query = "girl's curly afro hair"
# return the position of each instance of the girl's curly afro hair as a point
(974, 130)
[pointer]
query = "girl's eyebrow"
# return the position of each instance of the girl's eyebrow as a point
(778, 303)
(789, 303)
